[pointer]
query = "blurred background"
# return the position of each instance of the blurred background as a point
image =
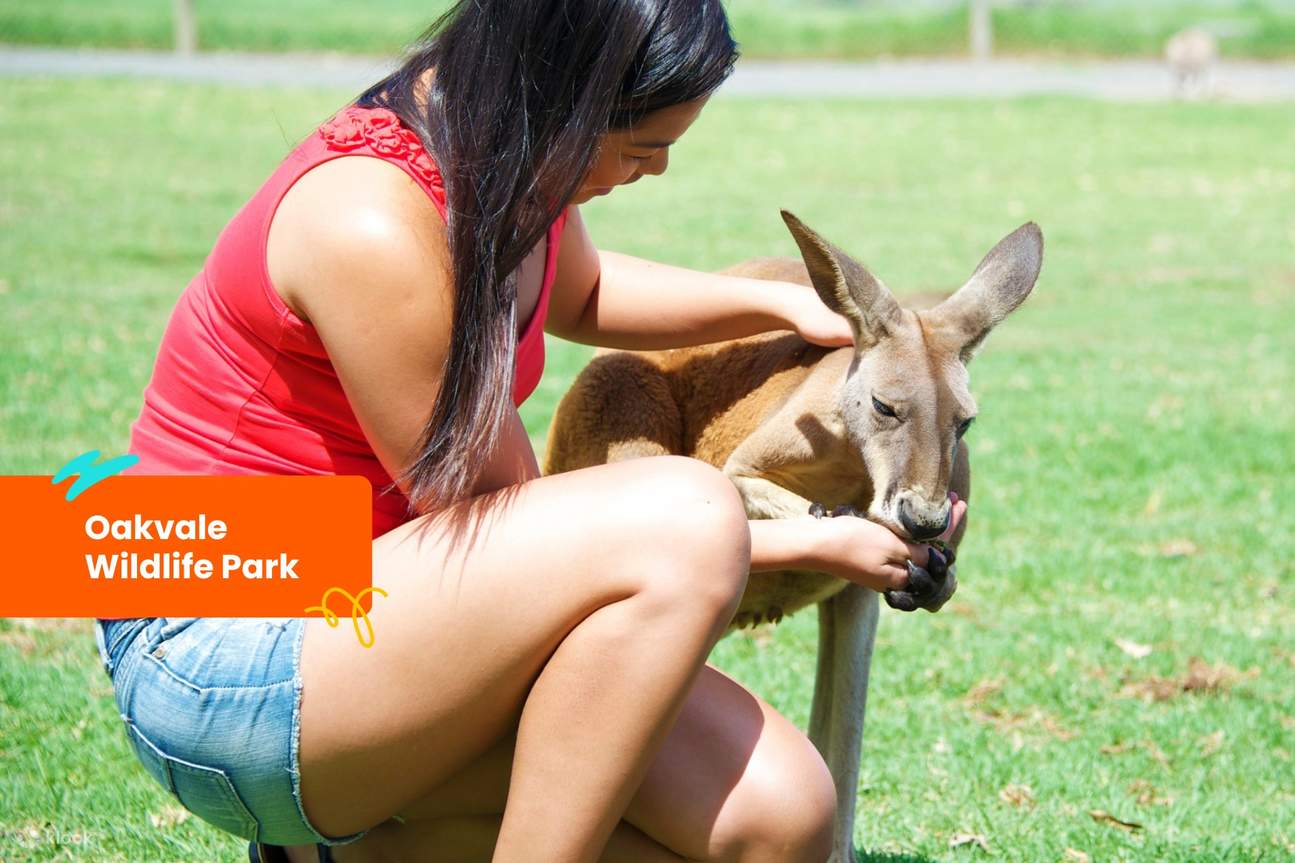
(1113, 680)
(766, 28)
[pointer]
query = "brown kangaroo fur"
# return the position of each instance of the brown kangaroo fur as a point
(873, 429)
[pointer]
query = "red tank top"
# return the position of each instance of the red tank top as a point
(241, 385)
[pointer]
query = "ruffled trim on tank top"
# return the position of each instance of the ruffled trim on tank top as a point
(380, 129)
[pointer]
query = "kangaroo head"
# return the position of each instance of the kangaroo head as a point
(905, 402)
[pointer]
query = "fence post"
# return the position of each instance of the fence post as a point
(186, 28)
(982, 30)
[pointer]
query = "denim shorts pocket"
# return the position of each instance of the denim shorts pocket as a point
(205, 791)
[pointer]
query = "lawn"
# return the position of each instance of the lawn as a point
(766, 28)
(1121, 641)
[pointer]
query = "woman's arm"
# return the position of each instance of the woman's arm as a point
(620, 301)
(855, 549)
(358, 250)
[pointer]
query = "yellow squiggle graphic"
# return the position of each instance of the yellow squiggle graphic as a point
(356, 608)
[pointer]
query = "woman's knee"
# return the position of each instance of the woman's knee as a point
(785, 809)
(692, 532)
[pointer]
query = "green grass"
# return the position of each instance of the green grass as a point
(765, 28)
(1135, 476)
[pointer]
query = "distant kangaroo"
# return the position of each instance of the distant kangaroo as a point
(874, 429)
(1191, 55)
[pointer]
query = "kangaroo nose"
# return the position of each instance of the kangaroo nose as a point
(920, 530)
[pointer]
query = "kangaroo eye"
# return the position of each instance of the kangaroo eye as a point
(882, 408)
(964, 425)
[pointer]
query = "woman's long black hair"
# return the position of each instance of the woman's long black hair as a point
(520, 93)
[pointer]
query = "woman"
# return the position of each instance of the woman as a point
(538, 689)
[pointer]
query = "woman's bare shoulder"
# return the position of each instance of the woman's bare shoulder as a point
(358, 250)
(355, 223)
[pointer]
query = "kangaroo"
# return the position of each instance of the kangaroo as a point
(1191, 55)
(874, 429)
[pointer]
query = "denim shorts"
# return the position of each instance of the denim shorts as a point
(212, 711)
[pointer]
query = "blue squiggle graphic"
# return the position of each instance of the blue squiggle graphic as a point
(88, 473)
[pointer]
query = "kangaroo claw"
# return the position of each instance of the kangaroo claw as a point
(938, 565)
(928, 588)
(901, 600)
(921, 582)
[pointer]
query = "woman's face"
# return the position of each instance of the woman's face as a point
(625, 155)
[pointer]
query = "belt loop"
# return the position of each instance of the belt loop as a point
(105, 660)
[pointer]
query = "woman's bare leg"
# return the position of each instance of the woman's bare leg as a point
(472, 838)
(734, 781)
(579, 611)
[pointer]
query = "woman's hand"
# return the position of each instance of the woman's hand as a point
(869, 554)
(813, 321)
(864, 552)
(855, 549)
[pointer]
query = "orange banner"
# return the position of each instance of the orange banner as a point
(194, 546)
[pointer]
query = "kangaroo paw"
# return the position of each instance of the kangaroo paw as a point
(901, 600)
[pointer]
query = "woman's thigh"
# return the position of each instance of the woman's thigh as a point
(466, 628)
(733, 772)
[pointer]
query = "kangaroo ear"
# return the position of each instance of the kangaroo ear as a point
(1000, 283)
(845, 286)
